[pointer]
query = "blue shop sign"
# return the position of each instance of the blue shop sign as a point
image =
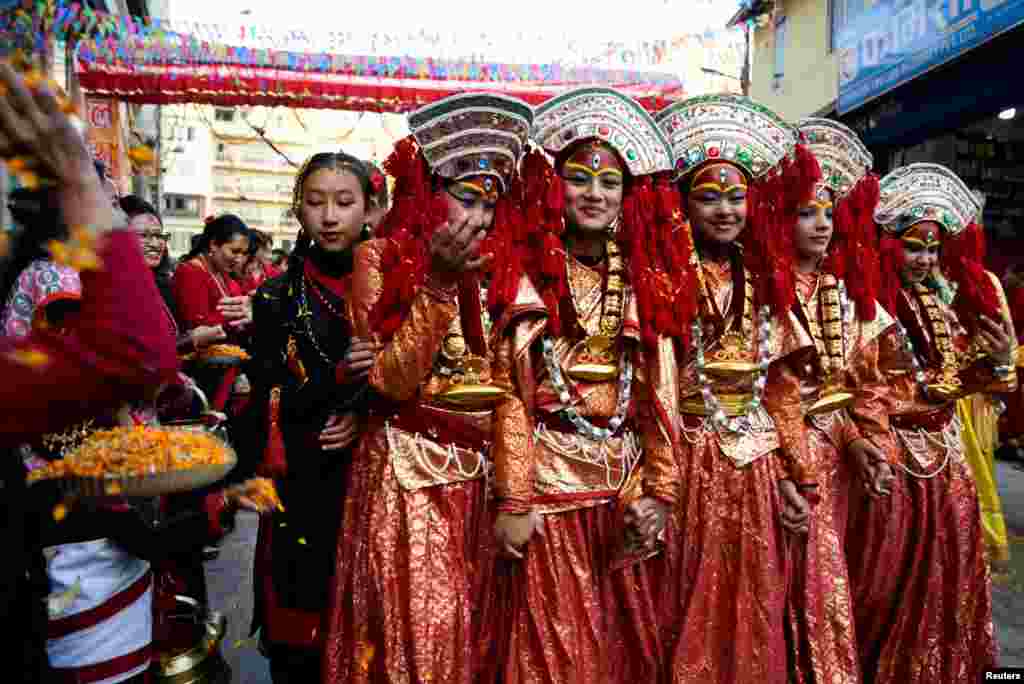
(897, 40)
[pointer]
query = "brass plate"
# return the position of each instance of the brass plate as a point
(473, 396)
(593, 372)
(730, 369)
(830, 402)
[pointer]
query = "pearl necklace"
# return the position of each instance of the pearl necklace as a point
(583, 426)
(711, 402)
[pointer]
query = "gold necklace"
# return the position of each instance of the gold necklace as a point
(733, 357)
(601, 360)
(949, 385)
(829, 344)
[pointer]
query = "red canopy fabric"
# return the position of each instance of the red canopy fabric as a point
(235, 84)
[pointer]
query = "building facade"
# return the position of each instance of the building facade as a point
(919, 80)
(243, 161)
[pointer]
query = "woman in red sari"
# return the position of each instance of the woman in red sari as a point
(745, 471)
(206, 295)
(921, 586)
(588, 445)
(413, 556)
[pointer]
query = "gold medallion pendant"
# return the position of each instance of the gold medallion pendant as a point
(599, 363)
(470, 386)
(732, 359)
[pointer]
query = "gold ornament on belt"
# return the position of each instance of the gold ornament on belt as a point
(600, 361)
(829, 344)
(948, 386)
(470, 385)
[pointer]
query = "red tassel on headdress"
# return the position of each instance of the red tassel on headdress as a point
(891, 263)
(852, 255)
(773, 203)
(414, 214)
(274, 462)
(962, 261)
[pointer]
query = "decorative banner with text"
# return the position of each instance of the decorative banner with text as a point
(897, 40)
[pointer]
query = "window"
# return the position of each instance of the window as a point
(780, 46)
(224, 114)
(181, 242)
(181, 205)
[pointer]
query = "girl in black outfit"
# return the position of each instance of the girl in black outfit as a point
(308, 375)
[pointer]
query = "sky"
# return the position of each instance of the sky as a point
(553, 20)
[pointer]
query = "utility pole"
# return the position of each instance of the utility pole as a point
(745, 73)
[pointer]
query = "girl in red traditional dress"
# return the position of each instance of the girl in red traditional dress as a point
(843, 389)
(413, 553)
(584, 457)
(921, 586)
(1011, 423)
(745, 468)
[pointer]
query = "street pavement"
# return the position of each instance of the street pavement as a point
(230, 589)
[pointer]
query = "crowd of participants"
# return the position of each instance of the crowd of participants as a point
(596, 396)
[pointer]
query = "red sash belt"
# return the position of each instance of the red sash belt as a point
(100, 671)
(559, 422)
(61, 627)
(449, 428)
(932, 421)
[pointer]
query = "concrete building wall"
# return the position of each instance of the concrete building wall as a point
(808, 83)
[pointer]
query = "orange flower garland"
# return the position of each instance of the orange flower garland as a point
(135, 452)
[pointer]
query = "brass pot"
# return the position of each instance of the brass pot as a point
(201, 662)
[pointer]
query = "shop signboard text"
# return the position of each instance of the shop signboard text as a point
(897, 40)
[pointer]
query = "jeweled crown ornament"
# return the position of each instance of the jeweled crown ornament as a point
(843, 158)
(473, 134)
(727, 128)
(925, 192)
(603, 114)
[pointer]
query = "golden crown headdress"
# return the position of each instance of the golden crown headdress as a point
(843, 158)
(609, 116)
(925, 192)
(730, 128)
(473, 134)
